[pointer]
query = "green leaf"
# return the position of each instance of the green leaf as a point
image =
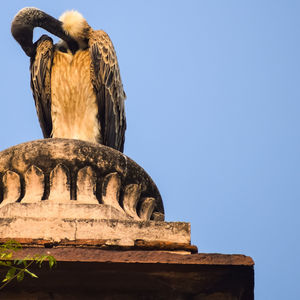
(20, 261)
(10, 273)
(12, 245)
(4, 255)
(40, 260)
(14, 269)
(20, 276)
(30, 273)
(52, 261)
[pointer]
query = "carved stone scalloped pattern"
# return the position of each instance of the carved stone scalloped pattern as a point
(132, 194)
(34, 185)
(78, 172)
(111, 190)
(147, 208)
(59, 184)
(86, 187)
(11, 187)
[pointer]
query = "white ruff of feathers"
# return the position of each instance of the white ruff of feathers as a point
(74, 24)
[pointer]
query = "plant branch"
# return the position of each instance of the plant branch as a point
(16, 275)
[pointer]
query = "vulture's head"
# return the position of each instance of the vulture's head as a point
(75, 25)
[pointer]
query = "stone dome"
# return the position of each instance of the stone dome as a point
(73, 172)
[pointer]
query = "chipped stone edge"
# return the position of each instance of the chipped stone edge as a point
(114, 232)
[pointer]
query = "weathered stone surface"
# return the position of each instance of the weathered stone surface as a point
(60, 185)
(86, 254)
(132, 194)
(34, 185)
(113, 232)
(47, 209)
(111, 187)
(11, 187)
(86, 186)
(66, 171)
(174, 247)
(151, 275)
(147, 207)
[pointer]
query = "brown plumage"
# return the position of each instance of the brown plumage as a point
(76, 84)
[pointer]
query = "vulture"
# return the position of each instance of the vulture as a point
(76, 83)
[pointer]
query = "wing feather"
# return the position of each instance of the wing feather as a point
(40, 68)
(109, 91)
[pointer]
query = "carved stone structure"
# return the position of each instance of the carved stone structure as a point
(101, 215)
(77, 172)
(63, 191)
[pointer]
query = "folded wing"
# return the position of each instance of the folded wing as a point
(109, 91)
(40, 67)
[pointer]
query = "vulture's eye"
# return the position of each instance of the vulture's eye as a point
(62, 49)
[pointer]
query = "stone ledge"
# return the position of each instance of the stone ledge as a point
(150, 275)
(112, 232)
(47, 209)
(86, 254)
(104, 244)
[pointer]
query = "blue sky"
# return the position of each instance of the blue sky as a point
(213, 116)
